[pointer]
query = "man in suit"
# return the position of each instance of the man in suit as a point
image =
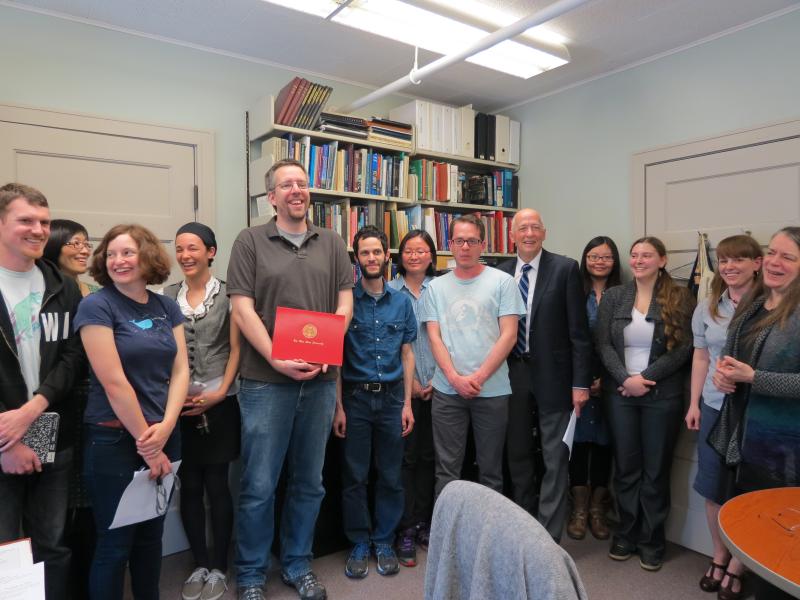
(549, 369)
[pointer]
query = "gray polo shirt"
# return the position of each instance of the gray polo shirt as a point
(274, 272)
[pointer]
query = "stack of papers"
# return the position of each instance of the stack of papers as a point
(20, 579)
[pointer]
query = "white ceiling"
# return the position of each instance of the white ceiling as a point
(603, 36)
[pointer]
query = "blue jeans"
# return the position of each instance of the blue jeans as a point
(281, 421)
(109, 461)
(373, 421)
(38, 503)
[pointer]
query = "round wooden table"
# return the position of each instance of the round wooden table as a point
(762, 529)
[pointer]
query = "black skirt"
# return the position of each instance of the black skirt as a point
(220, 442)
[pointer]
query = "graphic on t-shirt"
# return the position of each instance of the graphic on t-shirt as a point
(25, 318)
(145, 324)
(470, 315)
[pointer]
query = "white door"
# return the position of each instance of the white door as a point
(746, 181)
(100, 180)
(100, 172)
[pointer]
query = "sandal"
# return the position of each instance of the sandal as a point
(707, 581)
(726, 592)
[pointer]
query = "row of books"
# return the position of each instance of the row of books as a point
(446, 182)
(300, 102)
(346, 220)
(497, 224)
(343, 167)
(461, 131)
(375, 129)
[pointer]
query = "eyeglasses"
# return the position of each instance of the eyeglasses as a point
(409, 252)
(78, 245)
(471, 242)
(287, 186)
(599, 258)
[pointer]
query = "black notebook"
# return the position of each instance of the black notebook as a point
(42, 436)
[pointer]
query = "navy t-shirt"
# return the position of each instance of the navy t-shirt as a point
(145, 343)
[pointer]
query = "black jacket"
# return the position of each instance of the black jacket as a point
(62, 358)
(559, 338)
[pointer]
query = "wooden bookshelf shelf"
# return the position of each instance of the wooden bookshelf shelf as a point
(336, 194)
(465, 206)
(263, 126)
(463, 161)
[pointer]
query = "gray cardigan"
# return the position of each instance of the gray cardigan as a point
(664, 367)
(485, 547)
(776, 361)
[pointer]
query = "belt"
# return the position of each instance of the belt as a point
(524, 357)
(373, 386)
(117, 424)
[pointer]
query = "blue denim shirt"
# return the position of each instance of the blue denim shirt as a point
(377, 332)
(424, 363)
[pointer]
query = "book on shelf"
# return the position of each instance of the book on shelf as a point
(293, 109)
(501, 137)
(497, 224)
(341, 166)
(481, 127)
(491, 128)
(285, 98)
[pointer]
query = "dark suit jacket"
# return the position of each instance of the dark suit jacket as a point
(559, 338)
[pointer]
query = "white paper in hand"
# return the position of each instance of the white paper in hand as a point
(144, 498)
(569, 434)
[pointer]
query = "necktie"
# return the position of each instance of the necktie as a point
(523, 321)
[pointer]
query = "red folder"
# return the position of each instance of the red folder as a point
(306, 335)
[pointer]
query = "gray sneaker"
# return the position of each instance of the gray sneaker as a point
(357, 565)
(216, 585)
(193, 586)
(307, 585)
(251, 592)
(386, 559)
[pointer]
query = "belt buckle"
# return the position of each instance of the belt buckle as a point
(374, 387)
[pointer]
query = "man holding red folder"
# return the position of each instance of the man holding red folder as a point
(287, 406)
(373, 413)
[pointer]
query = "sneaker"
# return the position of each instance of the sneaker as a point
(423, 535)
(216, 585)
(193, 586)
(357, 565)
(650, 563)
(407, 548)
(307, 585)
(251, 592)
(387, 560)
(620, 550)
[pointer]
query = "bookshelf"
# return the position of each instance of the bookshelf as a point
(262, 148)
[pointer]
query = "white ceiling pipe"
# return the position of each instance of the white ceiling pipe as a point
(546, 14)
(476, 20)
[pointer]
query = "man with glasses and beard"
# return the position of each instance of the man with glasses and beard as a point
(373, 412)
(471, 315)
(286, 406)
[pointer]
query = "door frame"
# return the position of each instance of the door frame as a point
(201, 140)
(711, 144)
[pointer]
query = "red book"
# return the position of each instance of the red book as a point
(294, 105)
(284, 99)
(306, 335)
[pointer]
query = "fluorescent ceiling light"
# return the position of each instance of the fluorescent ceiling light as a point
(418, 27)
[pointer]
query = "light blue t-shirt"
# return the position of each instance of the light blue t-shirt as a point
(468, 312)
(711, 334)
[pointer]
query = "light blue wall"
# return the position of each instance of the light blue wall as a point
(47, 62)
(577, 144)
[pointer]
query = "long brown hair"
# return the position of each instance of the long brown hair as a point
(675, 301)
(790, 301)
(735, 246)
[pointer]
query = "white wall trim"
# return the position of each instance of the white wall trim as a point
(202, 141)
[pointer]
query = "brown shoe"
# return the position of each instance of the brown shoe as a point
(576, 528)
(726, 592)
(598, 508)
